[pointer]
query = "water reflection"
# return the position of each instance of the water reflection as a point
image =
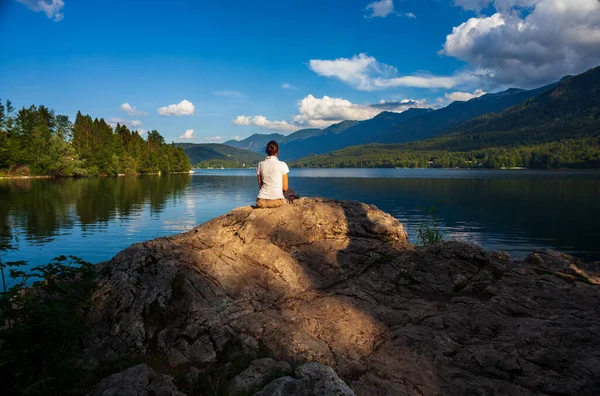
(96, 218)
(39, 212)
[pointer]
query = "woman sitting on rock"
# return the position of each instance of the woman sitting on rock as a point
(272, 177)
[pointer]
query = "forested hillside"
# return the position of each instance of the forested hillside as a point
(36, 141)
(217, 155)
(560, 128)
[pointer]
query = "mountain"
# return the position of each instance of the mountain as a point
(227, 156)
(387, 127)
(350, 133)
(570, 110)
(559, 127)
(256, 142)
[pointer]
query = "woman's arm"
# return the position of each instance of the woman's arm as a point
(259, 181)
(285, 182)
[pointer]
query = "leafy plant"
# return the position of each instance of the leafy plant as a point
(43, 313)
(429, 233)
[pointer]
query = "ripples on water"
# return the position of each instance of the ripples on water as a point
(516, 211)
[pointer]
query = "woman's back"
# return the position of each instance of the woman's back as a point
(271, 171)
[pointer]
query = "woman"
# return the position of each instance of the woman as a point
(272, 177)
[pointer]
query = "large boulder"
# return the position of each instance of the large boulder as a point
(313, 379)
(139, 380)
(257, 375)
(338, 283)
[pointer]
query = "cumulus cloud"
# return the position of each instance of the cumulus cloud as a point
(213, 139)
(141, 131)
(551, 39)
(263, 122)
(113, 121)
(322, 112)
(365, 73)
(187, 135)
(184, 108)
(131, 110)
(410, 15)
(288, 86)
(52, 8)
(463, 96)
(380, 9)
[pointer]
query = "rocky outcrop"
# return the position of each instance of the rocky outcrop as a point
(338, 283)
(136, 381)
(313, 379)
(257, 375)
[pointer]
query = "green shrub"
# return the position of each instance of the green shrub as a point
(42, 312)
(429, 233)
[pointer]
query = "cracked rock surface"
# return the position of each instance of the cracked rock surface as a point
(338, 283)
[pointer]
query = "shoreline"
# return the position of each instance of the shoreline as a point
(90, 177)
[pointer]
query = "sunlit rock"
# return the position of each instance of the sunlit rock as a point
(337, 283)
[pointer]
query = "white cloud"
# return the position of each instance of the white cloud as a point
(141, 131)
(262, 122)
(322, 112)
(213, 139)
(410, 15)
(365, 73)
(288, 86)
(237, 137)
(113, 121)
(187, 135)
(184, 108)
(552, 38)
(381, 9)
(52, 8)
(399, 106)
(463, 96)
(131, 110)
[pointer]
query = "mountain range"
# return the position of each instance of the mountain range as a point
(388, 127)
(567, 109)
(557, 128)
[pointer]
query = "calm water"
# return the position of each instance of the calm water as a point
(516, 211)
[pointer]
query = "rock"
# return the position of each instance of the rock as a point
(139, 380)
(338, 283)
(256, 376)
(563, 265)
(313, 379)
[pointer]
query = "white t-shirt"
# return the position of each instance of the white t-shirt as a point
(271, 172)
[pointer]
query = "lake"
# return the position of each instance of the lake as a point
(515, 211)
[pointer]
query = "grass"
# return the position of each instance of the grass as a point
(429, 233)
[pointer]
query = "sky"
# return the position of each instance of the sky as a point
(209, 71)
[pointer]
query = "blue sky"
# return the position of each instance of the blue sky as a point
(233, 68)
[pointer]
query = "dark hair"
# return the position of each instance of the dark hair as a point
(272, 148)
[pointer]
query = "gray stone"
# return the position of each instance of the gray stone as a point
(257, 375)
(139, 380)
(313, 379)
